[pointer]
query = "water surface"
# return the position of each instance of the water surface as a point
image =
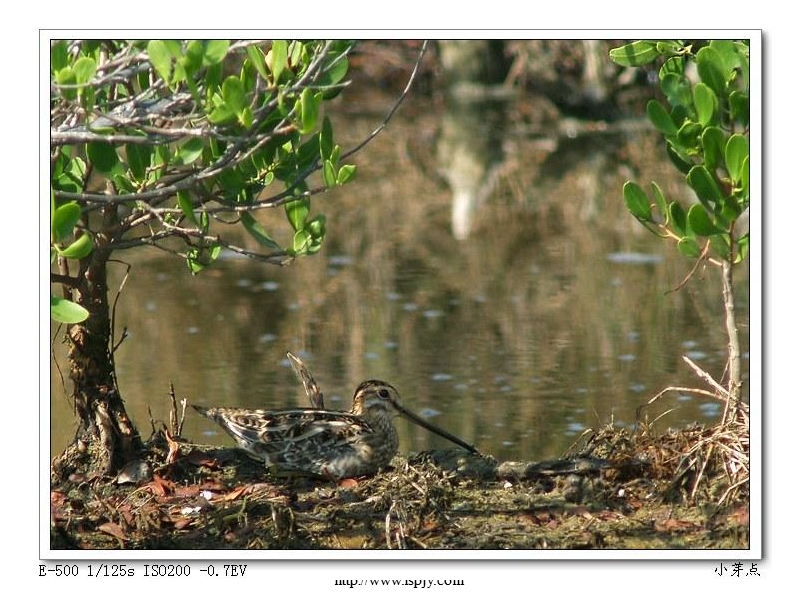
(549, 312)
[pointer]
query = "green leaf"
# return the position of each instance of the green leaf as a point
(729, 56)
(713, 142)
(186, 205)
(221, 113)
(688, 247)
(688, 136)
(63, 220)
(326, 139)
(102, 155)
(704, 185)
(277, 58)
(636, 201)
(660, 118)
(192, 59)
(705, 103)
(215, 51)
(678, 159)
(213, 78)
(66, 77)
(158, 162)
(699, 222)
(346, 173)
(329, 174)
(66, 311)
(736, 151)
(677, 217)
(58, 56)
(301, 242)
(742, 248)
(255, 229)
(138, 157)
(193, 262)
(660, 201)
(721, 245)
(297, 212)
(316, 227)
(669, 47)
(711, 69)
(123, 182)
(745, 182)
(309, 109)
(740, 108)
(332, 76)
(245, 117)
(161, 58)
(256, 57)
(677, 89)
(189, 151)
(634, 54)
(80, 248)
(233, 94)
(675, 65)
(198, 259)
(85, 68)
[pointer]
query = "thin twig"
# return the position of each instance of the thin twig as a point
(723, 393)
(397, 104)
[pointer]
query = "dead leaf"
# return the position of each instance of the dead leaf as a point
(669, 525)
(113, 529)
(174, 448)
(159, 486)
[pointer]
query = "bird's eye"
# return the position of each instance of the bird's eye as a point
(383, 393)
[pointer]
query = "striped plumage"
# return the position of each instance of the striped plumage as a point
(328, 443)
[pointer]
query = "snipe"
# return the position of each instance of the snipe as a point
(329, 443)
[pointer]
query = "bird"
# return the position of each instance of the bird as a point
(330, 444)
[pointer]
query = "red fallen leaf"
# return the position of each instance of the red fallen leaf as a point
(741, 516)
(674, 525)
(213, 485)
(187, 491)
(159, 486)
(77, 478)
(265, 489)
(580, 511)
(113, 529)
(57, 498)
(235, 493)
(608, 515)
(125, 511)
(181, 523)
(537, 517)
(429, 526)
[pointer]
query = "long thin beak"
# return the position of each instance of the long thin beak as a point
(431, 427)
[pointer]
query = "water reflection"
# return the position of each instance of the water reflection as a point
(469, 153)
(515, 339)
(470, 144)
